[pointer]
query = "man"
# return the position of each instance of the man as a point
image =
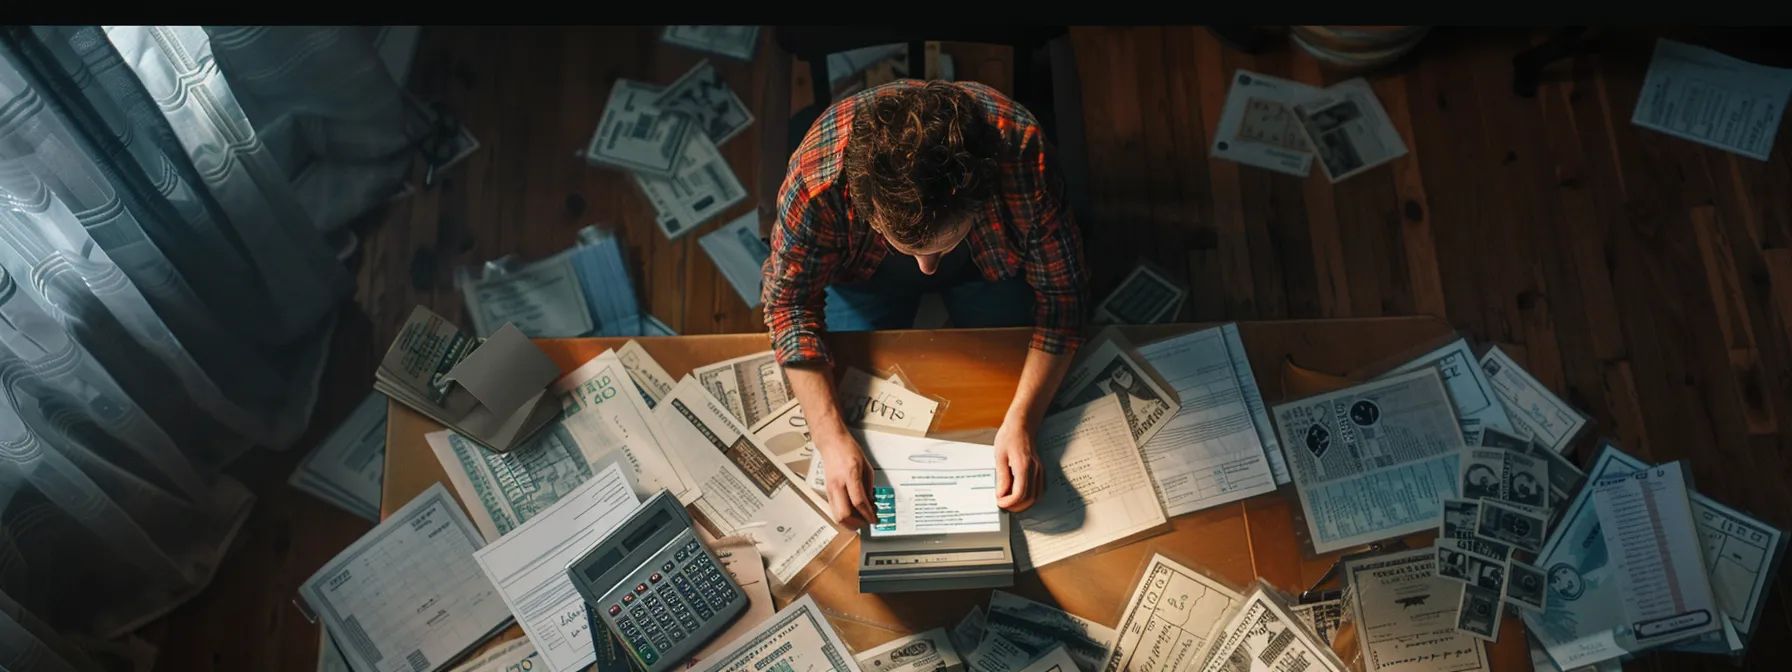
(916, 187)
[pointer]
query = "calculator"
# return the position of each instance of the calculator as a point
(655, 587)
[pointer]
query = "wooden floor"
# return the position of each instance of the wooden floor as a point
(1647, 279)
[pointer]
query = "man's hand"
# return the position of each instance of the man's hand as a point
(1020, 477)
(849, 479)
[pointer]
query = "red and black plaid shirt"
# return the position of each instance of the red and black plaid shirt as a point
(1026, 230)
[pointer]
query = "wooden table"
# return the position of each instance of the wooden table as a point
(976, 370)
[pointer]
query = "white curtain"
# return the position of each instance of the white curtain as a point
(166, 296)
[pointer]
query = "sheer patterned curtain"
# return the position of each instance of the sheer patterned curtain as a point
(166, 297)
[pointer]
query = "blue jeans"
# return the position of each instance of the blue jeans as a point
(972, 303)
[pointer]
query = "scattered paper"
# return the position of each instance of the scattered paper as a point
(1477, 404)
(1406, 616)
(528, 565)
(1701, 95)
(1348, 129)
(1647, 523)
(1144, 297)
(544, 299)
(744, 493)
(869, 402)
(740, 254)
(1258, 126)
(1253, 400)
(997, 654)
(1508, 476)
(348, 467)
(1323, 617)
(969, 630)
(737, 42)
(650, 379)
(600, 418)
(408, 594)
(1036, 627)
(1109, 371)
(705, 95)
(750, 386)
(1170, 620)
(924, 652)
(1097, 488)
(702, 186)
(797, 638)
(1534, 410)
(1525, 586)
(1209, 453)
(637, 136)
(1264, 637)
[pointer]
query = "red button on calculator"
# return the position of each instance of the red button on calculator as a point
(615, 609)
(641, 588)
(655, 578)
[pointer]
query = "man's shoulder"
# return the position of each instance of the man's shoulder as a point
(819, 162)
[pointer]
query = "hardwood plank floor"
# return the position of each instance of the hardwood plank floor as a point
(1645, 278)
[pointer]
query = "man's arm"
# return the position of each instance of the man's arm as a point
(843, 462)
(1020, 477)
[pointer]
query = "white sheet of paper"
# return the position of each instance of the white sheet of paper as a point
(1739, 551)
(1406, 615)
(1097, 491)
(1258, 127)
(751, 386)
(528, 566)
(348, 467)
(1209, 454)
(409, 590)
(1372, 461)
(1647, 522)
(740, 254)
(1170, 620)
(744, 493)
(1477, 404)
(651, 380)
(1532, 408)
(1038, 627)
(637, 136)
(595, 401)
(1348, 129)
(701, 188)
(1253, 400)
(544, 299)
(796, 639)
(1704, 96)
(1264, 637)
(929, 486)
(870, 402)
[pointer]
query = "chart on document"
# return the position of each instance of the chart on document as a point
(1210, 453)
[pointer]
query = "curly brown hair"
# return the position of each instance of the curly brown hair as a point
(920, 159)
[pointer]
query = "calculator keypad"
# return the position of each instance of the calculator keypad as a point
(673, 604)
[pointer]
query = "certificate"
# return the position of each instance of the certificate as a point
(1406, 615)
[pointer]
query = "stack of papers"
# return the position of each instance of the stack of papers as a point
(492, 391)
(348, 468)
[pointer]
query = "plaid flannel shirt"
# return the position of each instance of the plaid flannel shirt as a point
(1026, 230)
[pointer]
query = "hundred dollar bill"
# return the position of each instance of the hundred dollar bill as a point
(599, 417)
(751, 386)
(1494, 473)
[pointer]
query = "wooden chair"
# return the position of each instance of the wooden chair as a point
(1043, 75)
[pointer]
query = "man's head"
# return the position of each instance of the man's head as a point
(920, 166)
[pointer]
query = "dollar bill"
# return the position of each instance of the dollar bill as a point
(751, 387)
(731, 41)
(651, 380)
(1526, 586)
(1263, 635)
